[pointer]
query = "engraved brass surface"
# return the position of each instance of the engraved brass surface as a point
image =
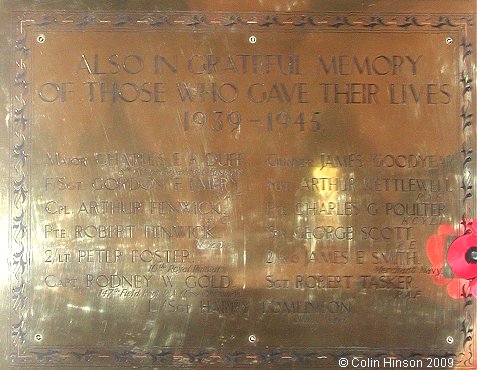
(237, 188)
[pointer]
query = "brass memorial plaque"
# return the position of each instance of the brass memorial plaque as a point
(237, 185)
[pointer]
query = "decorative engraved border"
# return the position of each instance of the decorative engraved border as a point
(154, 20)
(20, 247)
(20, 200)
(468, 179)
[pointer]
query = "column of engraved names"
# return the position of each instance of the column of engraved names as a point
(352, 217)
(138, 222)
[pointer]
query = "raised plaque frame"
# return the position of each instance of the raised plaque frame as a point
(25, 25)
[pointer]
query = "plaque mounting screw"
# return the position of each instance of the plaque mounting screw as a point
(252, 338)
(38, 337)
(252, 39)
(41, 38)
(449, 40)
(450, 340)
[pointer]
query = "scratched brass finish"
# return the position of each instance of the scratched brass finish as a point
(237, 186)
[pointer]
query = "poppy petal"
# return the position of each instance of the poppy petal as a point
(457, 287)
(435, 250)
(456, 256)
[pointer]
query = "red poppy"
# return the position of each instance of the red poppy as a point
(462, 257)
(458, 286)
